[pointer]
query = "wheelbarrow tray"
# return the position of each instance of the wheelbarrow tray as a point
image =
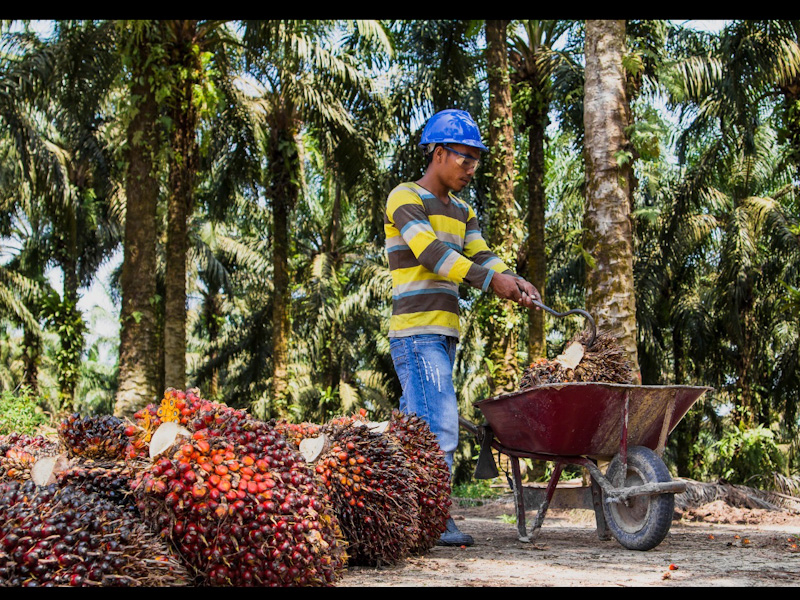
(586, 418)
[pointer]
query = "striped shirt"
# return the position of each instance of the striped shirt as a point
(432, 247)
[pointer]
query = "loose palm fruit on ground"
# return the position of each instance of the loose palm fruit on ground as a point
(94, 436)
(371, 487)
(240, 505)
(19, 452)
(64, 536)
(432, 476)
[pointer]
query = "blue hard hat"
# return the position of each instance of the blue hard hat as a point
(452, 126)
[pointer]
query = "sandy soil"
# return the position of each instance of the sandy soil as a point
(714, 545)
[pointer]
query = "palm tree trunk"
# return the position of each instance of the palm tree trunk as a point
(608, 237)
(536, 252)
(182, 168)
(280, 305)
(71, 336)
(137, 346)
(31, 354)
(332, 368)
(282, 158)
(213, 313)
(503, 234)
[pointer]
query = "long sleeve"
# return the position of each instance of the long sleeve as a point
(447, 257)
(432, 247)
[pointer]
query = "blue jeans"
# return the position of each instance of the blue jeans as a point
(424, 365)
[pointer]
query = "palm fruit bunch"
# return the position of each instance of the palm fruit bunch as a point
(602, 361)
(20, 451)
(371, 486)
(110, 479)
(63, 536)
(96, 446)
(94, 436)
(176, 405)
(295, 433)
(605, 360)
(239, 504)
(431, 473)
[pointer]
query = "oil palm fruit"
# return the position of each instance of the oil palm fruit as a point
(65, 536)
(94, 436)
(431, 476)
(370, 485)
(602, 361)
(19, 452)
(238, 502)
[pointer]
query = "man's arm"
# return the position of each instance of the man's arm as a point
(409, 228)
(517, 289)
(505, 283)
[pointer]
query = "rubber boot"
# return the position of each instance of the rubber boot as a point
(453, 537)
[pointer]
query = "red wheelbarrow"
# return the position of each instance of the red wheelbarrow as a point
(588, 424)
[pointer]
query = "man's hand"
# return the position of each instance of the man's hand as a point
(515, 289)
(528, 292)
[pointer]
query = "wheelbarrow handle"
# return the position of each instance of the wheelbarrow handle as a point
(468, 425)
(579, 311)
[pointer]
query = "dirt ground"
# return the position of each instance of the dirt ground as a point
(713, 545)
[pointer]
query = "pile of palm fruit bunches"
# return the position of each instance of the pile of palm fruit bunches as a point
(191, 492)
(602, 360)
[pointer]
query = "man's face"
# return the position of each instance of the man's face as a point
(458, 165)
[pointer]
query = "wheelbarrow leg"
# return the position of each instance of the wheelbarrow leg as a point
(551, 488)
(597, 503)
(519, 499)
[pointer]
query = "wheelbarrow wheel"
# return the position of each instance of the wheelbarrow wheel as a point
(641, 522)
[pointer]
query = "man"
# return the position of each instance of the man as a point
(434, 243)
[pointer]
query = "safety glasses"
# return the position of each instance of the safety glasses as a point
(464, 160)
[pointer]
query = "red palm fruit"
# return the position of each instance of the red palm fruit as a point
(239, 448)
(431, 473)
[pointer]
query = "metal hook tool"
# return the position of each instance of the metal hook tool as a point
(579, 311)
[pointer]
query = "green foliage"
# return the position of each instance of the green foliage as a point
(20, 412)
(476, 490)
(508, 519)
(791, 302)
(748, 455)
(647, 133)
(66, 320)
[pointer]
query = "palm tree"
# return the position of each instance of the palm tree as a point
(752, 254)
(728, 90)
(534, 63)
(341, 306)
(230, 345)
(503, 233)
(229, 251)
(305, 83)
(22, 276)
(610, 294)
(182, 47)
(198, 56)
(138, 373)
(52, 114)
